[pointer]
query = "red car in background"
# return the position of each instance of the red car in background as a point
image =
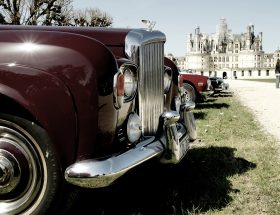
(197, 87)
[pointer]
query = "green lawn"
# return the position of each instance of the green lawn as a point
(251, 170)
(232, 168)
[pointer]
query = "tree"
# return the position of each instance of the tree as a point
(91, 17)
(50, 12)
(35, 12)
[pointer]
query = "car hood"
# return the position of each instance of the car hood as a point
(107, 36)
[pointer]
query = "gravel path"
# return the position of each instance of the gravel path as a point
(263, 99)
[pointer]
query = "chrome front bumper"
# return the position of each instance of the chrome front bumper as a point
(170, 145)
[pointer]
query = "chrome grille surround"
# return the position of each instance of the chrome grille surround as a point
(146, 49)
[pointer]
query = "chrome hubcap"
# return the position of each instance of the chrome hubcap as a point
(20, 171)
(9, 172)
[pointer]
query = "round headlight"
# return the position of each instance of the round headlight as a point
(167, 80)
(130, 84)
(134, 127)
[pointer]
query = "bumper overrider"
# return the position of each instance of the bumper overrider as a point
(207, 93)
(170, 145)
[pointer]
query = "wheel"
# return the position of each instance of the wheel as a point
(190, 92)
(30, 174)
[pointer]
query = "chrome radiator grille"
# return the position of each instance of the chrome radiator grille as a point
(151, 93)
(146, 49)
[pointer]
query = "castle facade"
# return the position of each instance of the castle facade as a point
(228, 55)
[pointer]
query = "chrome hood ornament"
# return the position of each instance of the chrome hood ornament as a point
(149, 24)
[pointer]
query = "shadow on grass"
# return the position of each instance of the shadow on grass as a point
(211, 105)
(199, 115)
(211, 100)
(224, 94)
(199, 181)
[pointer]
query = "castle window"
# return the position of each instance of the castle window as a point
(259, 73)
(242, 73)
(250, 72)
(267, 72)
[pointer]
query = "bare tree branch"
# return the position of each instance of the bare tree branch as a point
(50, 12)
(92, 17)
(35, 12)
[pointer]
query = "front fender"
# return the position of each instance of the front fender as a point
(47, 100)
(84, 65)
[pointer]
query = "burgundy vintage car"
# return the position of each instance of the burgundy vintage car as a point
(197, 87)
(82, 106)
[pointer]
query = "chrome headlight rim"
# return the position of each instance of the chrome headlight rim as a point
(130, 84)
(130, 81)
(167, 79)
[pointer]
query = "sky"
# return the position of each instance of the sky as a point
(178, 18)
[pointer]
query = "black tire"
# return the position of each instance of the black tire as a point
(190, 92)
(37, 177)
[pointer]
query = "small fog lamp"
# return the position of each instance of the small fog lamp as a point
(134, 127)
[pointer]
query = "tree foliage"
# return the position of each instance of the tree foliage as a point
(50, 12)
(92, 17)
